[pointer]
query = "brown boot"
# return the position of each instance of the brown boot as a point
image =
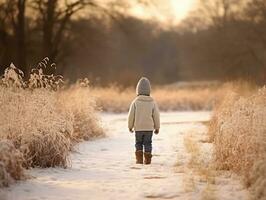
(147, 156)
(139, 157)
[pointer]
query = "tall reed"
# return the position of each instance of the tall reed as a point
(40, 120)
(238, 130)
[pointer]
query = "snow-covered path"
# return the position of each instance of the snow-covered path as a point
(105, 168)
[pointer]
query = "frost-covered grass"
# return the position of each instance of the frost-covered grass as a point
(169, 98)
(238, 129)
(200, 166)
(11, 161)
(106, 169)
(40, 121)
(117, 100)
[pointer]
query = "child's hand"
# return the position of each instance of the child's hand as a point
(131, 130)
(156, 131)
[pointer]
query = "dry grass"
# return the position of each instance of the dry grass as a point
(230, 92)
(115, 99)
(169, 98)
(82, 105)
(35, 125)
(238, 129)
(200, 170)
(258, 180)
(40, 122)
(11, 161)
(198, 162)
(208, 193)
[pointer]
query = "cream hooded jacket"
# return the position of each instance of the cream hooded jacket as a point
(143, 114)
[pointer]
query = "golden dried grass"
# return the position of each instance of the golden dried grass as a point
(200, 170)
(80, 102)
(43, 121)
(35, 124)
(229, 93)
(169, 98)
(258, 180)
(115, 99)
(238, 129)
(11, 161)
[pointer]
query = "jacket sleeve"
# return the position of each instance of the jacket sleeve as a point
(156, 117)
(131, 115)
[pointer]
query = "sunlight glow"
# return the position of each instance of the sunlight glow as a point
(181, 8)
(166, 11)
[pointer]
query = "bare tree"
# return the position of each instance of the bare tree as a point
(54, 17)
(12, 29)
(4, 33)
(219, 12)
(19, 27)
(255, 13)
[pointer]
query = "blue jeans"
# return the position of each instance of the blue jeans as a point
(143, 139)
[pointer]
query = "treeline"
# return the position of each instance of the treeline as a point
(222, 39)
(122, 51)
(227, 38)
(33, 29)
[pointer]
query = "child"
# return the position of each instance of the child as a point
(144, 118)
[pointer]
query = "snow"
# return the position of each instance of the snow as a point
(106, 169)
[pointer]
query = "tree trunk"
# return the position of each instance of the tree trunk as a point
(48, 31)
(48, 28)
(20, 36)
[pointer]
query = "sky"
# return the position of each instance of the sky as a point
(165, 11)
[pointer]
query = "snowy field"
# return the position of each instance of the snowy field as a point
(105, 168)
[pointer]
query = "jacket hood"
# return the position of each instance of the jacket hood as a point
(143, 87)
(144, 98)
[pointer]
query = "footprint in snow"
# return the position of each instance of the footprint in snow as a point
(162, 196)
(135, 168)
(154, 177)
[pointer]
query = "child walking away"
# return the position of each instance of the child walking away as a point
(144, 119)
